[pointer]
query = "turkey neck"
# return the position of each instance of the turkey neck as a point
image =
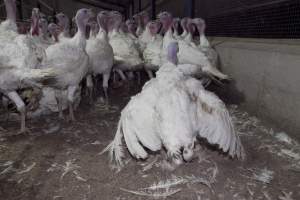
(79, 38)
(168, 26)
(10, 10)
(35, 26)
(117, 25)
(102, 22)
(200, 30)
(66, 29)
(201, 35)
(139, 24)
(183, 25)
(131, 31)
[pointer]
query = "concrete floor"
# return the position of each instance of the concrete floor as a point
(61, 161)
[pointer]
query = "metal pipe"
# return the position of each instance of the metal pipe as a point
(153, 9)
(140, 5)
(20, 9)
(189, 8)
(132, 7)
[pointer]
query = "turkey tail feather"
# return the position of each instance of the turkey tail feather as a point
(115, 148)
(215, 72)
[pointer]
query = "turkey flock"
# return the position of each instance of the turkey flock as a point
(172, 110)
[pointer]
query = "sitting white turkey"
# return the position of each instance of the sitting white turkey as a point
(100, 53)
(172, 110)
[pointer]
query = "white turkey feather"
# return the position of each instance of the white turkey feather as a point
(125, 51)
(100, 53)
(172, 110)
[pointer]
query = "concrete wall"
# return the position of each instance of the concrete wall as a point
(266, 77)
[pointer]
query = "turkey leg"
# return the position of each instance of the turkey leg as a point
(20, 107)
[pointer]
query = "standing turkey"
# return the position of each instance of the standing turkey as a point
(187, 53)
(204, 44)
(100, 53)
(64, 24)
(19, 59)
(70, 59)
(126, 54)
(152, 52)
(172, 110)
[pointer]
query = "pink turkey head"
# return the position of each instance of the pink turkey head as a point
(183, 23)
(11, 9)
(116, 19)
(191, 27)
(54, 30)
(43, 25)
(173, 49)
(166, 19)
(137, 19)
(200, 24)
(103, 19)
(63, 21)
(132, 26)
(144, 16)
(94, 28)
(154, 27)
(35, 16)
(82, 18)
(176, 23)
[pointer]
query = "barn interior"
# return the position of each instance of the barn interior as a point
(257, 46)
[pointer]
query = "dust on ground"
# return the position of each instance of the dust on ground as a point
(58, 160)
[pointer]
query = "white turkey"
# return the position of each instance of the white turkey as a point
(48, 102)
(144, 36)
(23, 47)
(18, 59)
(42, 40)
(54, 31)
(187, 53)
(101, 53)
(172, 110)
(189, 38)
(8, 28)
(142, 20)
(64, 24)
(176, 23)
(152, 52)
(70, 59)
(94, 29)
(131, 28)
(126, 54)
(204, 44)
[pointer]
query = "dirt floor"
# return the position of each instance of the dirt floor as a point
(60, 161)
